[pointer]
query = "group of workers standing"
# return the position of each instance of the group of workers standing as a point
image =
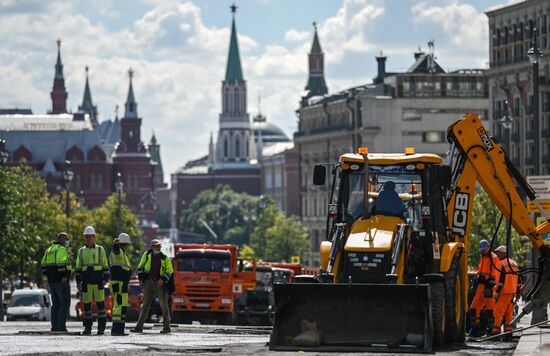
(93, 270)
(498, 289)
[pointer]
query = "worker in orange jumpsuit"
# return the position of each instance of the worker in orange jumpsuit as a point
(487, 274)
(507, 289)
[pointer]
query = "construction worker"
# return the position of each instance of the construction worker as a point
(120, 277)
(154, 271)
(92, 273)
(507, 289)
(487, 274)
(57, 268)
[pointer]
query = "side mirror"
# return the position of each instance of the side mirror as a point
(319, 174)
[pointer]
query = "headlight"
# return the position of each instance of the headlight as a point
(227, 301)
(178, 300)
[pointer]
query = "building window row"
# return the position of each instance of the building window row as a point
(437, 86)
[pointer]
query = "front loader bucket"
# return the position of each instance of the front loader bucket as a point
(352, 317)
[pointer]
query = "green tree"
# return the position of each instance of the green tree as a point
(104, 220)
(485, 217)
(286, 238)
(246, 252)
(266, 219)
(229, 214)
(28, 221)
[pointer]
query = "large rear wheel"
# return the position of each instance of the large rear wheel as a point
(455, 313)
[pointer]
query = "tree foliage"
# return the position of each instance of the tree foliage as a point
(30, 220)
(485, 217)
(278, 238)
(253, 223)
(229, 214)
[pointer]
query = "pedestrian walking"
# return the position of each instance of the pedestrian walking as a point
(506, 292)
(154, 271)
(487, 274)
(57, 268)
(120, 277)
(92, 273)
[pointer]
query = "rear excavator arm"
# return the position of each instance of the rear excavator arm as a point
(479, 158)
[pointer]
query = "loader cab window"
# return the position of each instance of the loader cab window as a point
(406, 185)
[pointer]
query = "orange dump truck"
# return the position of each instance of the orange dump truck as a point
(207, 279)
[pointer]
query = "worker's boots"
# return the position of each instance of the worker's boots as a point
(475, 331)
(87, 327)
(118, 329)
(101, 323)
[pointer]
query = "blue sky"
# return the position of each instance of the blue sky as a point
(178, 50)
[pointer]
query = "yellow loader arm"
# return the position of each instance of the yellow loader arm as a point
(479, 158)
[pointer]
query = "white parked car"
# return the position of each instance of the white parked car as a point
(29, 304)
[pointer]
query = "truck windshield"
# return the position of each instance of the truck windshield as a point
(405, 183)
(204, 263)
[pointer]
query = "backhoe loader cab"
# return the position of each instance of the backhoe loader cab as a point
(386, 262)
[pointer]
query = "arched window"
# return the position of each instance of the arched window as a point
(237, 147)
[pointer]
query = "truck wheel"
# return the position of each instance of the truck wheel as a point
(438, 312)
(454, 295)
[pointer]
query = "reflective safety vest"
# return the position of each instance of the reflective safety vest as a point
(55, 262)
(145, 266)
(120, 259)
(508, 281)
(91, 258)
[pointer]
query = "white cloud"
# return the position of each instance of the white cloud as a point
(179, 63)
(293, 35)
(465, 27)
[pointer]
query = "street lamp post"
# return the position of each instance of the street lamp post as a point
(68, 175)
(3, 159)
(507, 122)
(535, 54)
(119, 188)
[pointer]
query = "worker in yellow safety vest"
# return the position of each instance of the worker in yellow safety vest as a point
(56, 266)
(120, 277)
(92, 273)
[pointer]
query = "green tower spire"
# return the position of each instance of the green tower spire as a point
(316, 46)
(234, 70)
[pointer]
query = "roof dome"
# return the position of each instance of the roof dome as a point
(270, 133)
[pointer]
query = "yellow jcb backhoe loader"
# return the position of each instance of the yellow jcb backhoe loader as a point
(394, 266)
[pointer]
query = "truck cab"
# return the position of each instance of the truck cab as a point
(207, 278)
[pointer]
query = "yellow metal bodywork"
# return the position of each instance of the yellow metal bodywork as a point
(325, 252)
(374, 234)
(448, 252)
(386, 159)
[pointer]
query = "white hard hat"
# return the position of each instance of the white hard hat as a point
(89, 231)
(155, 242)
(124, 238)
(501, 248)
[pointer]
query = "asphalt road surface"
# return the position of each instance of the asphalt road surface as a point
(33, 338)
